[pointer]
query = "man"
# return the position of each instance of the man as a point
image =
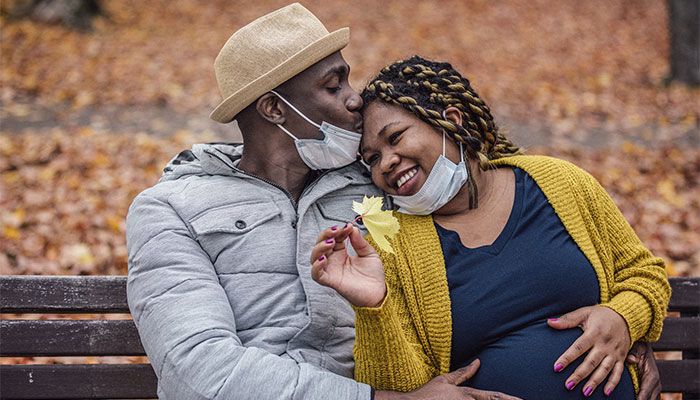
(219, 281)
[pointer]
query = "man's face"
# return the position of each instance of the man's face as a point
(322, 92)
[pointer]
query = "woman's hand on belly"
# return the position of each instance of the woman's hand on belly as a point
(605, 338)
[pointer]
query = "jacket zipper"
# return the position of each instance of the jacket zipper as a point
(289, 195)
(234, 169)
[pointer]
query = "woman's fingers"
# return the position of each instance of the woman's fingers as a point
(362, 248)
(330, 239)
(599, 375)
(576, 350)
(614, 378)
(318, 271)
(569, 320)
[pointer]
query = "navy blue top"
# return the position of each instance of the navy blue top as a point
(502, 295)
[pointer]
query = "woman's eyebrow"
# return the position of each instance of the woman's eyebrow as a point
(381, 133)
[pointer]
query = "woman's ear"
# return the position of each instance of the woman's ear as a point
(268, 107)
(453, 115)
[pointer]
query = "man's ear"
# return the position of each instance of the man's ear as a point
(453, 115)
(268, 107)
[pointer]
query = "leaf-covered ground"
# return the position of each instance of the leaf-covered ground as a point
(584, 80)
(90, 119)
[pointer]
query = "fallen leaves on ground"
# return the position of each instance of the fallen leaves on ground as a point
(65, 196)
(597, 64)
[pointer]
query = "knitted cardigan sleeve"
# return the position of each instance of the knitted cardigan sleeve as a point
(638, 283)
(388, 351)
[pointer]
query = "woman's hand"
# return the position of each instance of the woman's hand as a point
(606, 339)
(360, 279)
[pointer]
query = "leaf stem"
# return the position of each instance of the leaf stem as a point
(347, 240)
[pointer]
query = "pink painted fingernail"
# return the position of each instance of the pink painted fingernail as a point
(588, 391)
(608, 392)
(334, 227)
(330, 240)
(322, 258)
(558, 367)
(570, 385)
(554, 319)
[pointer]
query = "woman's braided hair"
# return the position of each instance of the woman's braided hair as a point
(426, 89)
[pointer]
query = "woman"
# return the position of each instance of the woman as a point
(493, 247)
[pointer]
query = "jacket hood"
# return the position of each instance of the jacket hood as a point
(204, 159)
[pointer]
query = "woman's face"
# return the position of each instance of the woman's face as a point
(400, 148)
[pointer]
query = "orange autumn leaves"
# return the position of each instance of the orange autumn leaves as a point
(64, 198)
(584, 78)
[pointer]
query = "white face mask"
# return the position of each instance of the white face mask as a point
(443, 183)
(338, 147)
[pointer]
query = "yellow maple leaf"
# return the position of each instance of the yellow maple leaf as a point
(380, 224)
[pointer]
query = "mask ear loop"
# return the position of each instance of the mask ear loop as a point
(286, 131)
(443, 142)
(295, 109)
(461, 151)
(473, 190)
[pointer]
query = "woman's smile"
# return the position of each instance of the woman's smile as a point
(405, 183)
(400, 149)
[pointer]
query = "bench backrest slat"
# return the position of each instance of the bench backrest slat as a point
(93, 381)
(679, 375)
(679, 334)
(107, 294)
(63, 294)
(69, 338)
(686, 294)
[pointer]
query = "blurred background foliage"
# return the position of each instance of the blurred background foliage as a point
(91, 111)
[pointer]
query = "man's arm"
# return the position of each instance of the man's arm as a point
(188, 328)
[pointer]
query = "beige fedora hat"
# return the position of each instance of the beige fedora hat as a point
(269, 51)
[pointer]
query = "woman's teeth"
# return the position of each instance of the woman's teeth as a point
(406, 177)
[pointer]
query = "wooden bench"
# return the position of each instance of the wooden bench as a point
(107, 294)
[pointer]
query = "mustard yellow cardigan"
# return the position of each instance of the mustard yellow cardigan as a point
(406, 341)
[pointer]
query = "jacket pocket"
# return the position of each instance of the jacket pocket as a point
(234, 218)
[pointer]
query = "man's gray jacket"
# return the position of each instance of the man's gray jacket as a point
(220, 285)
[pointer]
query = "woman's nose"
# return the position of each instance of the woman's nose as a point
(388, 162)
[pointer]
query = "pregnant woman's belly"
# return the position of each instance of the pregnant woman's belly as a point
(522, 364)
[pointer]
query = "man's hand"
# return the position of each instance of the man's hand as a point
(606, 340)
(642, 355)
(445, 387)
(360, 279)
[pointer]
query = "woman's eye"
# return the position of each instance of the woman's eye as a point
(371, 159)
(394, 136)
